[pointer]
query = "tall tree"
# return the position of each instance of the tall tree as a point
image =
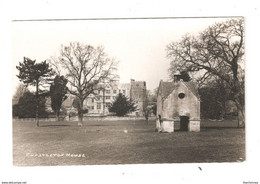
(58, 91)
(35, 74)
(85, 67)
(216, 52)
(122, 105)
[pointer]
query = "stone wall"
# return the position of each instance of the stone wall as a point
(194, 126)
(175, 107)
(168, 126)
(96, 118)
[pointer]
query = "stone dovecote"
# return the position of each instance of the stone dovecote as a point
(178, 106)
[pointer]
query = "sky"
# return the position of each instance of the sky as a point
(138, 44)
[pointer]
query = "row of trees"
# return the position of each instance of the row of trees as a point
(214, 57)
(25, 106)
(82, 67)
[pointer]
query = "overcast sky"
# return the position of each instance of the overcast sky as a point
(139, 45)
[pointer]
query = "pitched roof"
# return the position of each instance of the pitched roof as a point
(168, 87)
(192, 86)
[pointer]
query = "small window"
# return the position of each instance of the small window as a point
(114, 91)
(181, 95)
(124, 91)
(107, 91)
(108, 97)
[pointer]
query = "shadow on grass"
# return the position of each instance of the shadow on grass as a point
(54, 125)
(216, 127)
(99, 125)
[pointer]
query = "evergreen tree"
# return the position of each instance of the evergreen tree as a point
(58, 90)
(35, 74)
(122, 105)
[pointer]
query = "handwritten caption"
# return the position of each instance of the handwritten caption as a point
(14, 182)
(53, 155)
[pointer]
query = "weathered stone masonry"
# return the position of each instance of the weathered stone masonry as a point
(178, 106)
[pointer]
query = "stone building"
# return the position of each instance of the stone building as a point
(178, 106)
(99, 104)
(138, 95)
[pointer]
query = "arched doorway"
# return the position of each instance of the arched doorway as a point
(184, 123)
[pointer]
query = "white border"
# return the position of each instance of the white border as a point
(161, 173)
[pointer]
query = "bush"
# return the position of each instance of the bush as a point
(26, 107)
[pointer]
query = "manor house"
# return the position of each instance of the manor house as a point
(99, 104)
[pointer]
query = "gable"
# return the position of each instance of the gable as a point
(193, 88)
(166, 88)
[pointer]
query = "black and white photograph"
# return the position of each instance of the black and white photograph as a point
(128, 91)
(134, 99)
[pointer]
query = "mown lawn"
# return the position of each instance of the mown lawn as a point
(124, 142)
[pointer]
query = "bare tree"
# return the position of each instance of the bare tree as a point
(85, 67)
(20, 90)
(216, 52)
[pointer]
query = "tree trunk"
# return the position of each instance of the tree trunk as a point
(37, 116)
(37, 103)
(103, 102)
(241, 118)
(80, 112)
(241, 114)
(57, 115)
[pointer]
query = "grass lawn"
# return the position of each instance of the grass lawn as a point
(124, 142)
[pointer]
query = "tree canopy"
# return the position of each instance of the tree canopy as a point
(122, 105)
(26, 106)
(58, 91)
(216, 53)
(32, 73)
(36, 74)
(85, 67)
(20, 90)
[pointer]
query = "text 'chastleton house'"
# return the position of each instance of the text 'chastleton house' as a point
(178, 106)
